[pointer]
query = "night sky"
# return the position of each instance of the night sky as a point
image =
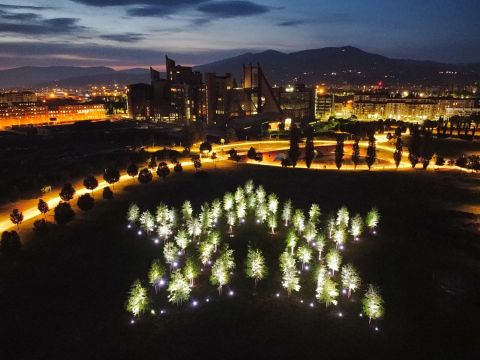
(128, 33)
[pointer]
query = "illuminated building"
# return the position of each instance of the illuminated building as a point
(407, 108)
(139, 101)
(323, 106)
(64, 112)
(18, 97)
(218, 95)
(297, 103)
(38, 113)
(22, 113)
(177, 99)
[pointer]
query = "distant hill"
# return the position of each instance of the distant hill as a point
(34, 76)
(338, 65)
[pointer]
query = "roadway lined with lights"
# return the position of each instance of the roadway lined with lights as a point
(32, 211)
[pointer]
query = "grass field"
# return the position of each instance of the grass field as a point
(65, 296)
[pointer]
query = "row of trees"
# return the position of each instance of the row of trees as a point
(371, 155)
(193, 244)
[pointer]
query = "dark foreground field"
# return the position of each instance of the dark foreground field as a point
(64, 297)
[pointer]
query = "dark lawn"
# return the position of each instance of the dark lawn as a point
(64, 297)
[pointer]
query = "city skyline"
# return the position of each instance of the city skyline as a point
(87, 32)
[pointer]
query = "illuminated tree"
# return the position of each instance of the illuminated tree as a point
(191, 271)
(290, 280)
(16, 217)
(155, 275)
(239, 195)
(228, 202)
(256, 265)
(334, 260)
(194, 227)
(231, 219)
(304, 255)
(372, 219)
(147, 221)
(249, 187)
(221, 269)
(162, 214)
(133, 213)
(291, 240)
(206, 250)
(272, 222)
(329, 293)
(182, 239)
(260, 194)
(206, 217)
(251, 201)
(339, 236)
(322, 276)
(314, 213)
(43, 207)
(331, 225)
(165, 230)
(320, 245)
(138, 299)
(272, 203)
(350, 279)
(187, 210)
(241, 210)
(310, 232)
(299, 221)
(261, 212)
(287, 212)
(343, 217)
(179, 288)
(356, 226)
(214, 238)
(170, 253)
(216, 210)
(373, 304)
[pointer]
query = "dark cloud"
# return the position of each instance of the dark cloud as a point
(125, 38)
(32, 24)
(288, 23)
(162, 8)
(6, 15)
(23, 7)
(44, 53)
(233, 8)
(147, 3)
(38, 26)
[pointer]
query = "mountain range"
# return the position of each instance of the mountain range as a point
(340, 65)
(69, 76)
(331, 65)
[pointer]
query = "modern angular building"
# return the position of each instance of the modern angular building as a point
(184, 96)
